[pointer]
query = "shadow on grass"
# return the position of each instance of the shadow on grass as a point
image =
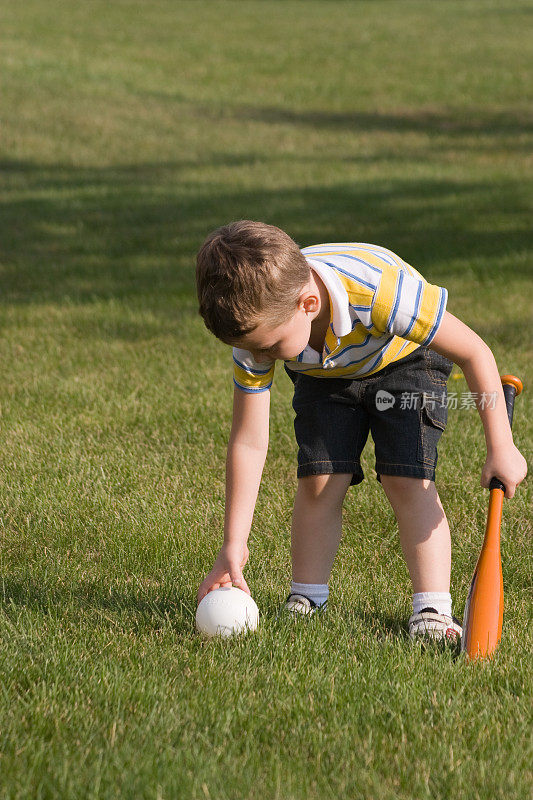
(143, 610)
(385, 627)
(457, 123)
(72, 234)
(428, 121)
(382, 625)
(147, 612)
(139, 610)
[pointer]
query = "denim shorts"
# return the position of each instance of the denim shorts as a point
(403, 406)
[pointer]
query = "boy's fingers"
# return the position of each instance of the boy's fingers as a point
(239, 581)
(206, 587)
(201, 594)
(214, 580)
(510, 486)
(236, 577)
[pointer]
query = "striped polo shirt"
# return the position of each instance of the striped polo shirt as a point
(381, 310)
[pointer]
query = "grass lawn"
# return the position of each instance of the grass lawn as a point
(128, 131)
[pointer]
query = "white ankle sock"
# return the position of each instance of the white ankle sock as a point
(317, 592)
(440, 601)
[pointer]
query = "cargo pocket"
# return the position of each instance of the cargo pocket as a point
(433, 420)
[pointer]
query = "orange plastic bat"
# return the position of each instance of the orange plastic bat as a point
(483, 617)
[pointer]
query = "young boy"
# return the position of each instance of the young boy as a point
(368, 345)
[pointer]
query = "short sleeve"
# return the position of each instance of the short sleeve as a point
(406, 305)
(250, 376)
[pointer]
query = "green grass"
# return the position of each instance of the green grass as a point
(129, 131)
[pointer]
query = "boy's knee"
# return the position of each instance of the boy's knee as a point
(324, 488)
(402, 485)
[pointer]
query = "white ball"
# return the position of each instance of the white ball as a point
(226, 611)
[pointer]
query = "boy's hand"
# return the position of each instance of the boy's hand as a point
(508, 464)
(227, 570)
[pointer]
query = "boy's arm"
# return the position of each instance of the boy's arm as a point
(247, 449)
(460, 344)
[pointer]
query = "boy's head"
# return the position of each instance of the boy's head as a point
(249, 276)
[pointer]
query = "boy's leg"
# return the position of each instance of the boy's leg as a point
(425, 540)
(317, 526)
(424, 531)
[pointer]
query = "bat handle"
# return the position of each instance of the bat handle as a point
(512, 387)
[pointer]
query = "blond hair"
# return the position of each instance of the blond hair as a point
(248, 273)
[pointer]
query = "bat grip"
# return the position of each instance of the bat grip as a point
(510, 389)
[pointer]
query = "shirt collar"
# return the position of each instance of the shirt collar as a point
(341, 322)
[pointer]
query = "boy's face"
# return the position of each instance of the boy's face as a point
(269, 343)
(285, 341)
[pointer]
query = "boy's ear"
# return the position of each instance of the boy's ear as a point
(310, 301)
